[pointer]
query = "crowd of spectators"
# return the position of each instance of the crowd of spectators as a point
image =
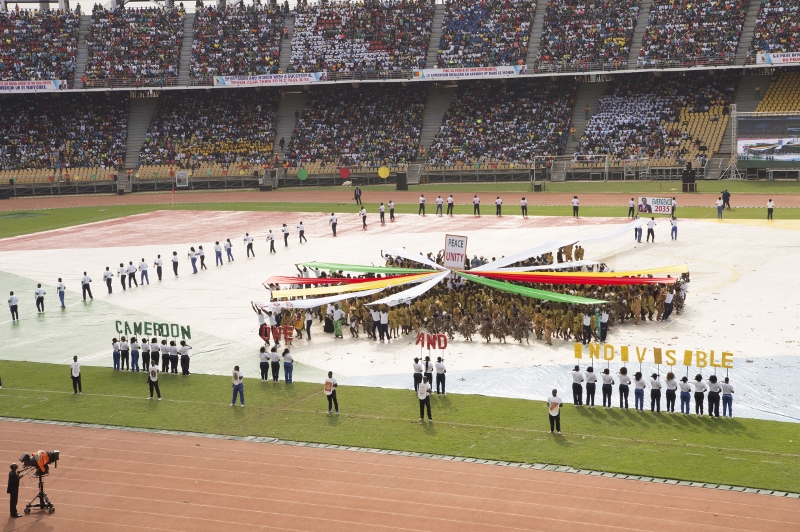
(236, 41)
(373, 35)
(491, 121)
(639, 115)
(38, 44)
(224, 126)
(485, 33)
(370, 125)
(588, 31)
(63, 131)
(693, 29)
(134, 46)
(777, 27)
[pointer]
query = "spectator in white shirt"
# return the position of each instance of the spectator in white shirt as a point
(699, 394)
(655, 393)
(554, 410)
(591, 386)
(424, 395)
(39, 293)
(75, 374)
(441, 370)
(13, 306)
(577, 389)
(238, 386)
(86, 287)
(727, 398)
(330, 393)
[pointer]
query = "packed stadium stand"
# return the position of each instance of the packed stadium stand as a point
(588, 31)
(688, 30)
(365, 126)
(361, 37)
(777, 28)
(491, 121)
(236, 41)
(38, 45)
(218, 127)
(134, 47)
(671, 119)
(485, 33)
(59, 133)
(783, 95)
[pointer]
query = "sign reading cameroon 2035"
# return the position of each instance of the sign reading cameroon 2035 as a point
(455, 251)
(151, 328)
(656, 355)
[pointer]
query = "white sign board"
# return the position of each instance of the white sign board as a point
(655, 206)
(455, 251)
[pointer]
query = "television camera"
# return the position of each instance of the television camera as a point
(39, 464)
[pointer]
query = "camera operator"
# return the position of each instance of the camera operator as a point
(13, 488)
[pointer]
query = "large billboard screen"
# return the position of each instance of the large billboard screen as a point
(769, 138)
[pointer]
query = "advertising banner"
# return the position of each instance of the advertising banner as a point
(655, 205)
(28, 86)
(469, 73)
(455, 251)
(270, 79)
(764, 58)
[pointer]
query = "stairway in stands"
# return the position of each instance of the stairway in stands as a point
(286, 45)
(142, 111)
(438, 103)
(745, 103)
(747, 31)
(293, 101)
(638, 32)
(436, 35)
(588, 94)
(82, 56)
(186, 50)
(536, 35)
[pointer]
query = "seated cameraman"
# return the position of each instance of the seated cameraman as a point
(13, 488)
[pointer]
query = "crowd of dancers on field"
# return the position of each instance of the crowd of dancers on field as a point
(674, 388)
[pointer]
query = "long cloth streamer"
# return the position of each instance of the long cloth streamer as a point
(676, 269)
(316, 302)
(281, 279)
(362, 268)
(555, 244)
(379, 283)
(574, 279)
(556, 266)
(407, 295)
(531, 292)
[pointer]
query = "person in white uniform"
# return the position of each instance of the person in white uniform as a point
(699, 394)
(75, 375)
(108, 276)
(238, 386)
(655, 393)
(61, 288)
(554, 404)
(424, 395)
(577, 388)
(248, 240)
(143, 272)
(441, 370)
(39, 294)
(672, 390)
(13, 306)
(152, 379)
(686, 396)
(727, 398)
(86, 287)
(608, 383)
(591, 386)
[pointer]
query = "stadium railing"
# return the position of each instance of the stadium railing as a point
(123, 83)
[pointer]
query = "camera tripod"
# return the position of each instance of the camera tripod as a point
(44, 503)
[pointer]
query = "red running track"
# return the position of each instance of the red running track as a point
(111, 480)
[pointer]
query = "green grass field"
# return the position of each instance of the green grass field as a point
(25, 222)
(743, 452)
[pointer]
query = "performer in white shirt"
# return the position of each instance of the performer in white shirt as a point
(175, 263)
(238, 386)
(115, 354)
(108, 276)
(417, 373)
(674, 206)
(39, 294)
(624, 390)
(229, 249)
(591, 386)
(152, 379)
(450, 202)
(75, 374)
(668, 304)
(217, 253)
(498, 206)
(122, 273)
(719, 205)
(699, 394)
(575, 205)
(770, 209)
(523, 203)
(672, 390)
(424, 395)
(288, 366)
(13, 306)
(183, 350)
(673, 228)
(421, 205)
(330, 392)
(86, 287)
(439, 205)
(638, 391)
(301, 229)
(61, 288)
(608, 383)
(158, 264)
(193, 258)
(727, 398)
(145, 354)
(275, 363)
(655, 393)
(441, 370)
(631, 208)
(135, 348)
(686, 396)
(143, 275)
(132, 274)
(476, 205)
(363, 213)
(271, 240)
(577, 389)
(285, 236)
(391, 211)
(382, 213)
(714, 390)
(554, 411)
(332, 223)
(249, 241)
(173, 357)
(124, 355)
(202, 255)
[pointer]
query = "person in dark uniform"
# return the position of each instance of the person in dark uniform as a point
(357, 195)
(13, 489)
